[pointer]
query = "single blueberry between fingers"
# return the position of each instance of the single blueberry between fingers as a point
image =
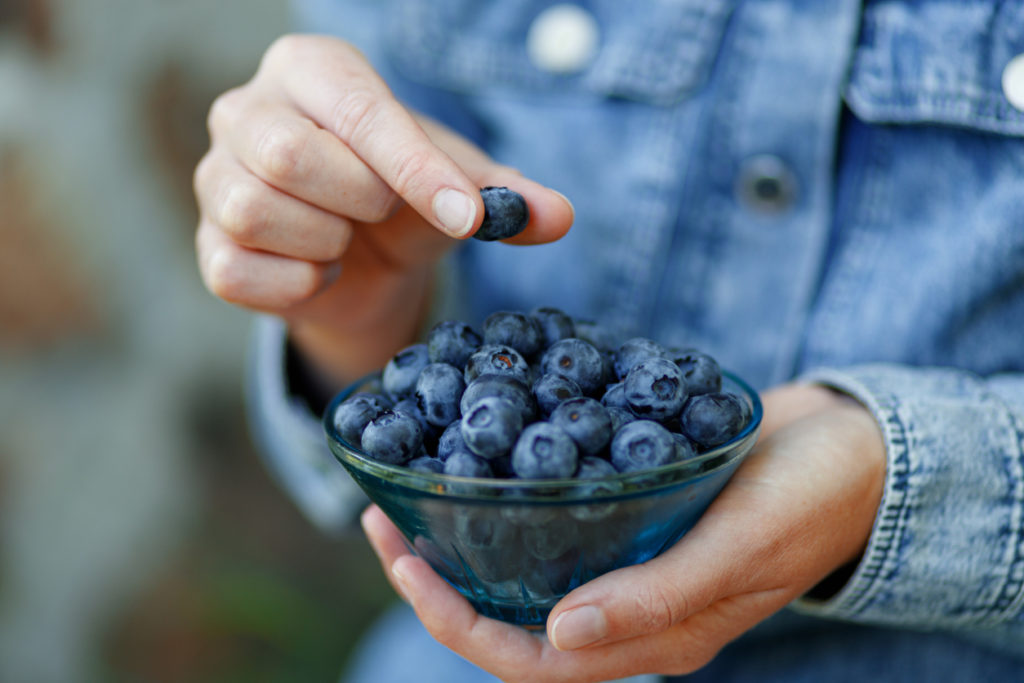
(452, 342)
(641, 445)
(393, 438)
(400, 373)
(586, 421)
(655, 389)
(505, 214)
(544, 451)
(438, 392)
(712, 419)
(579, 361)
(491, 427)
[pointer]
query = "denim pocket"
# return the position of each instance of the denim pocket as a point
(938, 62)
(473, 47)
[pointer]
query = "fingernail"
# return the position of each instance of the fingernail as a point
(571, 207)
(578, 627)
(455, 211)
(401, 582)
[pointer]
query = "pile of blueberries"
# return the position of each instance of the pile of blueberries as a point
(540, 395)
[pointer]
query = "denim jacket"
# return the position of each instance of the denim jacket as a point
(821, 189)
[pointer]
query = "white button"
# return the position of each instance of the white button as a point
(563, 39)
(1013, 82)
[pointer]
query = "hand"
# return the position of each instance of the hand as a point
(325, 201)
(801, 506)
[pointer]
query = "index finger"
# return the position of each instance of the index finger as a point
(338, 89)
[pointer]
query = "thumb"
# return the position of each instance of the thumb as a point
(551, 213)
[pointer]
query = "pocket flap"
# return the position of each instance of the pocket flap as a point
(469, 46)
(937, 62)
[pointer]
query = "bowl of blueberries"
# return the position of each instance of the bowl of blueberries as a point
(529, 456)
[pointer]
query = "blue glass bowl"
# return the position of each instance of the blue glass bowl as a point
(514, 547)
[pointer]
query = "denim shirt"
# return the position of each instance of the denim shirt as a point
(801, 188)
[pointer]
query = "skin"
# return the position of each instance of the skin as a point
(801, 506)
(318, 203)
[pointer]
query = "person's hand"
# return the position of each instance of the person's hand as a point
(801, 506)
(323, 200)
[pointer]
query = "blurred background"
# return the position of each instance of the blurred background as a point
(140, 537)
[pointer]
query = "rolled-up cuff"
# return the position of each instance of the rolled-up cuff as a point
(290, 437)
(947, 547)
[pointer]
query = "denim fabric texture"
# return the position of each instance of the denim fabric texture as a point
(832, 190)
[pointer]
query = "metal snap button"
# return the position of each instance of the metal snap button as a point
(563, 39)
(766, 184)
(1013, 82)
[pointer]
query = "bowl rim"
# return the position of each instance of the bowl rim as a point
(489, 488)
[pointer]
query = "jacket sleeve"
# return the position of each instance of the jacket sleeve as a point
(290, 436)
(947, 547)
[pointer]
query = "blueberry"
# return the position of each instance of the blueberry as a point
(426, 465)
(400, 373)
(504, 386)
(393, 438)
(701, 371)
(599, 471)
(712, 419)
(586, 421)
(685, 449)
(438, 392)
(634, 350)
(601, 337)
(491, 427)
(465, 464)
(550, 540)
(452, 342)
(518, 330)
(552, 389)
(505, 214)
(499, 360)
(620, 417)
(579, 361)
(450, 440)
(641, 445)
(355, 412)
(409, 407)
(544, 451)
(655, 389)
(554, 324)
(615, 396)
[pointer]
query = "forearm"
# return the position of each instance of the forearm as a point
(947, 548)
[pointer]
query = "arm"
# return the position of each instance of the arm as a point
(930, 515)
(327, 204)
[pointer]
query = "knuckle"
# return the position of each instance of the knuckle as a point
(280, 152)
(224, 110)
(284, 49)
(410, 169)
(354, 112)
(241, 212)
(655, 609)
(202, 175)
(225, 277)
